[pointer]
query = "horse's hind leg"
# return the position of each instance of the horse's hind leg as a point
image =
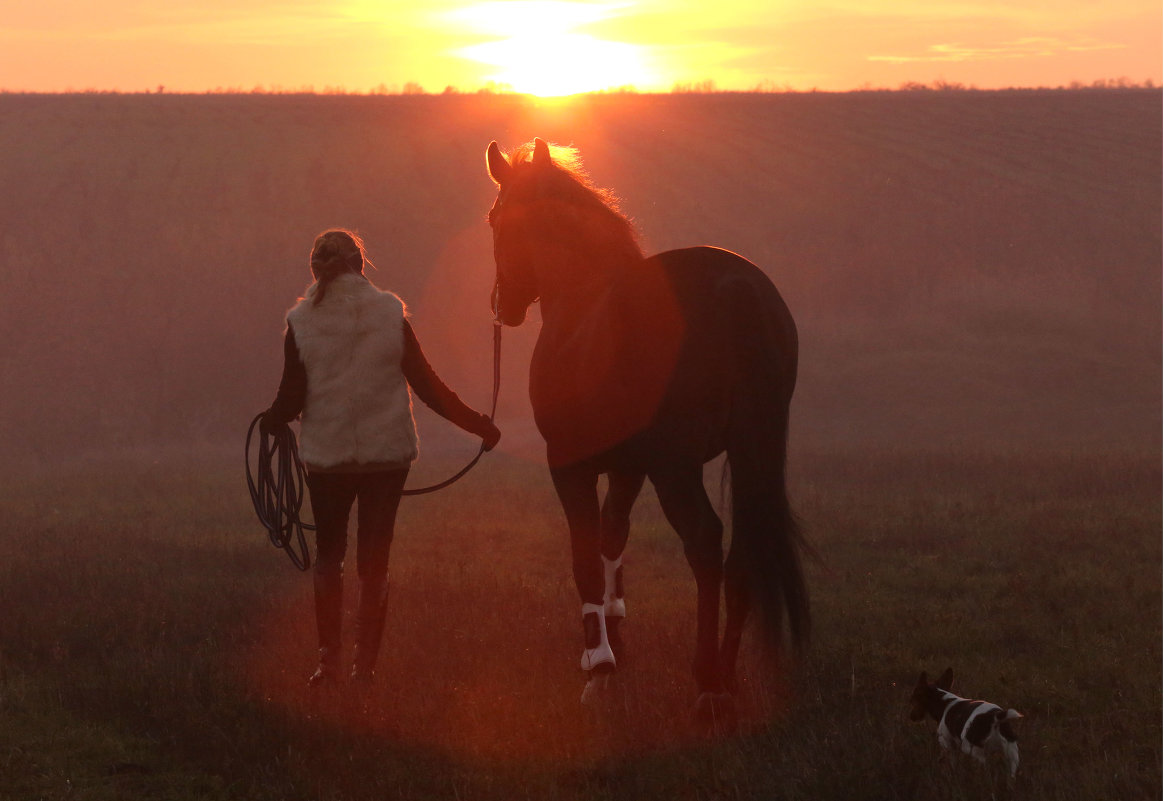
(622, 491)
(690, 513)
(735, 593)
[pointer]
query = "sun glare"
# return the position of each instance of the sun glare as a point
(541, 53)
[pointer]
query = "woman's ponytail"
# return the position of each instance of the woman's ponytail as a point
(334, 253)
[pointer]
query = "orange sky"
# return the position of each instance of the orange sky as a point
(551, 47)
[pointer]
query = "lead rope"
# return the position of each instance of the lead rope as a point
(276, 486)
(492, 414)
(277, 490)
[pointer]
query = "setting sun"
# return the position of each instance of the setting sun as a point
(540, 52)
(564, 47)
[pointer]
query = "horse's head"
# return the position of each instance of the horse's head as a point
(513, 224)
(554, 233)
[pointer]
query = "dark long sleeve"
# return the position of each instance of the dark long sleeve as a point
(292, 387)
(430, 389)
(417, 371)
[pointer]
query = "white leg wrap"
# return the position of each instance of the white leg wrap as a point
(614, 605)
(601, 653)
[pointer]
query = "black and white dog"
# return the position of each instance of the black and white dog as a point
(970, 726)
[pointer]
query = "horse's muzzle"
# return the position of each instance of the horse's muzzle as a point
(510, 317)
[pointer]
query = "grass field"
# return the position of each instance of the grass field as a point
(976, 448)
(961, 265)
(155, 646)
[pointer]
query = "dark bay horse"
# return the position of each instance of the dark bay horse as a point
(648, 368)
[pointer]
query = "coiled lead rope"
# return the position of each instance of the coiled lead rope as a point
(277, 490)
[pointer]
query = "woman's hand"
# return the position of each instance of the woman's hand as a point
(267, 424)
(490, 434)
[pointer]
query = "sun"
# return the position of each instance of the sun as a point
(560, 64)
(541, 53)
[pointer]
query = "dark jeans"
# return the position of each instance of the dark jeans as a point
(378, 496)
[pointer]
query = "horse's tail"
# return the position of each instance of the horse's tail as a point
(767, 544)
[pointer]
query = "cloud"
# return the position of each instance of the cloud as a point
(1028, 47)
(548, 16)
(247, 22)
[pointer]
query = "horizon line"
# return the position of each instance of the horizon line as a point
(414, 89)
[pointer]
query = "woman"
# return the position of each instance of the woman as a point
(350, 357)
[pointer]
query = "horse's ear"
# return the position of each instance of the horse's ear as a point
(499, 166)
(541, 154)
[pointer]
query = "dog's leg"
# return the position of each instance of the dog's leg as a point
(1010, 751)
(1009, 740)
(948, 752)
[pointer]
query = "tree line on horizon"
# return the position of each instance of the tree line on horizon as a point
(705, 87)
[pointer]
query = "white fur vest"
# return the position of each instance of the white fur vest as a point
(358, 409)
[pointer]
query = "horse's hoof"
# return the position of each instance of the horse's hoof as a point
(715, 713)
(731, 684)
(598, 685)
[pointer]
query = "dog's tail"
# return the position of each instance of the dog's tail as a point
(1004, 728)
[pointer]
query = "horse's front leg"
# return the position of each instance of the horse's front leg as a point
(622, 491)
(577, 488)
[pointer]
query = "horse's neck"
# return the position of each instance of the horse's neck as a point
(563, 313)
(582, 326)
(603, 359)
(579, 295)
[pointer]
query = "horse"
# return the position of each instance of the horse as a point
(649, 368)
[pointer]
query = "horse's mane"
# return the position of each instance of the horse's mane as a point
(601, 223)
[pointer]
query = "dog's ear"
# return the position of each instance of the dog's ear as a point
(922, 680)
(946, 680)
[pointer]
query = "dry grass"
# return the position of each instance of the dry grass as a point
(151, 626)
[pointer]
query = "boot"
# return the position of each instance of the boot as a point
(598, 659)
(597, 656)
(614, 606)
(329, 600)
(369, 628)
(613, 600)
